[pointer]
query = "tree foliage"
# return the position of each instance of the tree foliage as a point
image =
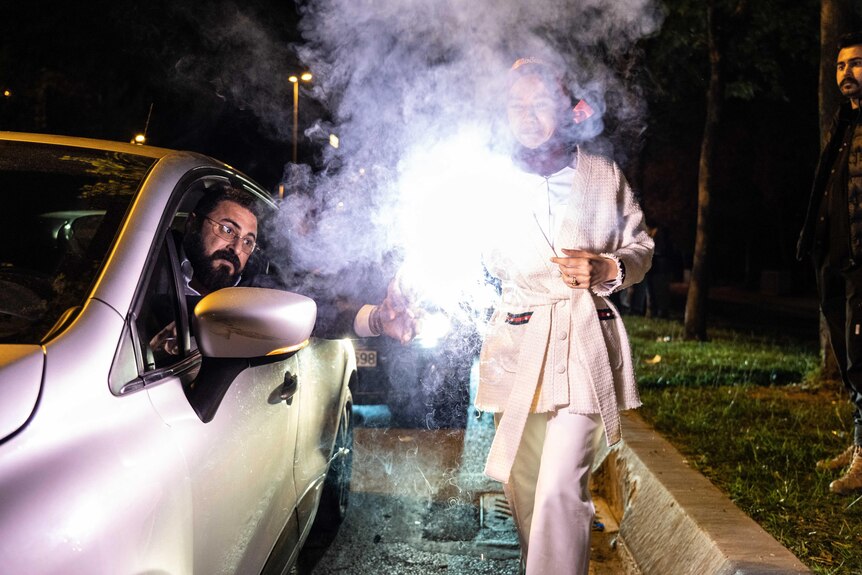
(759, 52)
(766, 45)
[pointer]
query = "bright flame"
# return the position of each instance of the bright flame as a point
(432, 328)
(450, 193)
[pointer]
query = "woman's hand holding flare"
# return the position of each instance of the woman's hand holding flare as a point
(581, 269)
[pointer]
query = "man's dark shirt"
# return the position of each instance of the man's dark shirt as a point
(841, 213)
(832, 232)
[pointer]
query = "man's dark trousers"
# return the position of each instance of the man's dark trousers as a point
(841, 302)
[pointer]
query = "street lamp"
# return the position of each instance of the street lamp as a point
(304, 77)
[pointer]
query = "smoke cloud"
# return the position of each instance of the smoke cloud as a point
(415, 92)
(409, 83)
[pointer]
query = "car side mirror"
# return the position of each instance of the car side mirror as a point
(252, 322)
(235, 325)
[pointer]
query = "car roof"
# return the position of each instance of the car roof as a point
(134, 242)
(184, 157)
(91, 143)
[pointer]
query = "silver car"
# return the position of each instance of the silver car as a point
(112, 458)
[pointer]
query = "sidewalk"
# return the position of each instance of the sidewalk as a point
(672, 520)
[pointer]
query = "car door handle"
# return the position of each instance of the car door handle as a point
(288, 389)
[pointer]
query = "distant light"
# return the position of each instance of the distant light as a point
(361, 171)
(305, 77)
(139, 139)
(7, 93)
(333, 140)
(281, 190)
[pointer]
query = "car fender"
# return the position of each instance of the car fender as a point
(107, 508)
(20, 382)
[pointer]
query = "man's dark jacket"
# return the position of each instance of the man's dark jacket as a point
(841, 122)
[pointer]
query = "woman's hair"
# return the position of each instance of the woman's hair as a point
(551, 74)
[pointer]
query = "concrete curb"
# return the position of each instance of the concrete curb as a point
(673, 520)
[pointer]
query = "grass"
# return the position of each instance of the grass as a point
(748, 411)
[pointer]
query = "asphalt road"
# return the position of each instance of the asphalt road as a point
(421, 505)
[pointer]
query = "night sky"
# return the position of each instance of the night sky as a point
(94, 69)
(215, 74)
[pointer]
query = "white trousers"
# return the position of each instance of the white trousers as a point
(548, 491)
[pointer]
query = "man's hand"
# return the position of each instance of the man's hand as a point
(581, 269)
(166, 340)
(395, 316)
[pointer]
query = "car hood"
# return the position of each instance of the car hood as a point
(20, 380)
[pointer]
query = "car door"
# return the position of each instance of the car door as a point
(239, 466)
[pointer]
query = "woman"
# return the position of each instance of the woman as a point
(555, 366)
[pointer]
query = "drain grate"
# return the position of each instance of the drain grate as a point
(494, 512)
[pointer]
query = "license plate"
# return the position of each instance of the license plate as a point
(366, 358)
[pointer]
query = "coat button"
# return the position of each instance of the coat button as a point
(561, 368)
(564, 335)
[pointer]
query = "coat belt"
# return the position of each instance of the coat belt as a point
(593, 353)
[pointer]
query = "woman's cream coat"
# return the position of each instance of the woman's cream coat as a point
(572, 351)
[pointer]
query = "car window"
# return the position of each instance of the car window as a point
(62, 208)
(124, 369)
(162, 317)
(160, 333)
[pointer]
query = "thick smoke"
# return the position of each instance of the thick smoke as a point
(234, 55)
(416, 91)
(409, 84)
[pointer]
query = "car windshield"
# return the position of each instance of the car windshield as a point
(62, 209)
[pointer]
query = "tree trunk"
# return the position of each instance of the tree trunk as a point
(694, 326)
(836, 17)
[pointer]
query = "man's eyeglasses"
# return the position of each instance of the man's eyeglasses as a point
(247, 244)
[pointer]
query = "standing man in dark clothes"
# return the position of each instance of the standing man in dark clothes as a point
(832, 236)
